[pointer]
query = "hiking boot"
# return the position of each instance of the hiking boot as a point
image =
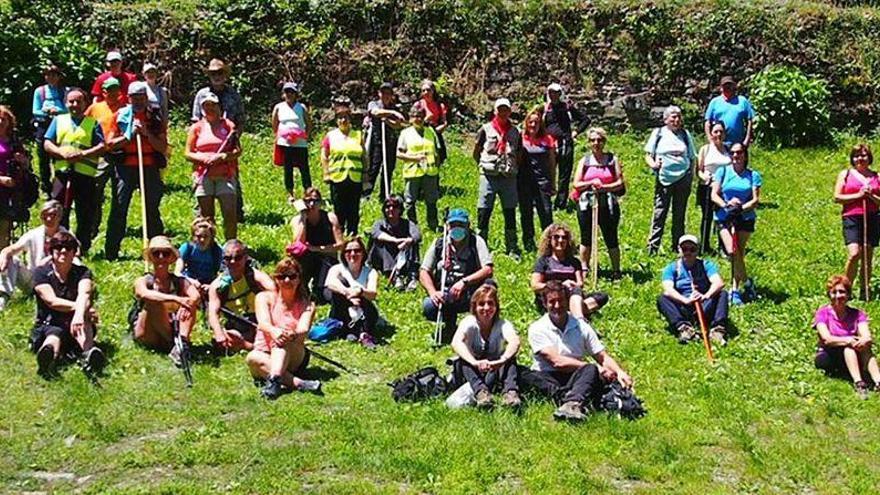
(861, 389)
(367, 341)
(46, 361)
(400, 284)
(313, 386)
(272, 390)
(511, 399)
(174, 356)
(570, 411)
(94, 361)
(736, 298)
(616, 275)
(412, 285)
(716, 335)
(686, 333)
(259, 382)
(749, 290)
(484, 400)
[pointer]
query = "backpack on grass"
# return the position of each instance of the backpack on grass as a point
(621, 401)
(423, 384)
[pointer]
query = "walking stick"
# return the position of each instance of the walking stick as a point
(704, 328)
(866, 278)
(594, 246)
(140, 151)
(707, 220)
(385, 179)
(444, 258)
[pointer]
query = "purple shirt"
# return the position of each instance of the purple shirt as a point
(840, 327)
(6, 154)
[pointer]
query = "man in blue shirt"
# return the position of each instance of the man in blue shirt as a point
(734, 110)
(49, 101)
(690, 280)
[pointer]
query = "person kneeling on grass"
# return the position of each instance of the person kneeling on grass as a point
(844, 338)
(687, 281)
(236, 291)
(561, 343)
(351, 289)
(66, 318)
(284, 316)
(482, 361)
(467, 264)
(162, 297)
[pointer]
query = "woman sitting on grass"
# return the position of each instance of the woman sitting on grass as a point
(557, 261)
(351, 289)
(200, 257)
(486, 346)
(284, 316)
(844, 338)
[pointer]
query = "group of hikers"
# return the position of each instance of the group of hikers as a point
(118, 132)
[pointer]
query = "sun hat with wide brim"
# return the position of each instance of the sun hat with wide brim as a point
(217, 65)
(161, 242)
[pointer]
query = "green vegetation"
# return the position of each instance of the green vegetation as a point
(794, 108)
(761, 420)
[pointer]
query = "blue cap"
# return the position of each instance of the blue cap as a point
(458, 215)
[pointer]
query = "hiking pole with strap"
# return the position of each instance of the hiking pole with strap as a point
(385, 178)
(701, 318)
(444, 259)
(140, 154)
(183, 348)
(244, 321)
(594, 246)
(866, 277)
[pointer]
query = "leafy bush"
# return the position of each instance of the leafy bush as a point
(792, 108)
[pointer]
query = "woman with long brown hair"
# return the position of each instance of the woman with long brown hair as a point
(536, 179)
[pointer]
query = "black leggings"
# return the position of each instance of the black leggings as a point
(346, 197)
(609, 221)
(296, 158)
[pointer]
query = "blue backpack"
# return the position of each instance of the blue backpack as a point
(325, 330)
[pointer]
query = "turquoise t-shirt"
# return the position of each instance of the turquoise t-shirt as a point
(676, 152)
(735, 185)
(681, 276)
(734, 113)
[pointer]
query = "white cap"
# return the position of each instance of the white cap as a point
(555, 87)
(688, 238)
(502, 102)
(113, 55)
(148, 66)
(137, 88)
(210, 96)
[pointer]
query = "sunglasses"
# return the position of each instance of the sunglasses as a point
(559, 237)
(65, 247)
(291, 276)
(233, 257)
(596, 140)
(353, 251)
(314, 202)
(162, 253)
(688, 249)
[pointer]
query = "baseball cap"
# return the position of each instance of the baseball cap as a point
(110, 82)
(386, 86)
(148, 66)
(502, 102)
(688, 238)
(137, 88)
(458, 215)
(113, 55)
(210, 97)
(727, 80)
(554, 87)
(290, 86)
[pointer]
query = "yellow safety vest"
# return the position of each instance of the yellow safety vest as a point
(76, 136)
(345, 157)
(417, 144)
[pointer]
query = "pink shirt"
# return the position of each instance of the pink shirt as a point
(282, 318)
(845, 327)
(853, 184)
(208, 141)
(605, 172)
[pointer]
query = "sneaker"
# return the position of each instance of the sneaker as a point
(400, 284)
(46, 361)
(616, 275)
(4, 300)
(736, 298)
(484, 400)
(716, 335)
(174, 356)
(861, 390)
(351, 338)
(367, 341)
(94, 361)
(686, 333)
(313, 386)
(749, 290)
(511, 399)
(272, 390)
(412, 285)
(570, 411)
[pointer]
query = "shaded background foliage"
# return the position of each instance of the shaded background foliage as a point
(477, 50)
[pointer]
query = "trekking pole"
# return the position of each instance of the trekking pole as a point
(183, 348)
(444, 258)
(594, 246)
(385, 179)
(734, 240)
(866, 278)
(704, 329)
(707, 219)
(244, 321)
(140, 154)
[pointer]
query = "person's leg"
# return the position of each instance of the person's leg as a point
(339, 305)
(5, 232)
(85, 204)
(288, 159)
(662, 196)
(431, 194)
(230, 216)
(44, 160)
(153, 328)
(541, 383)
(544, 205)
(320, 280)
(508, 375)
(153, 197)
(258, 363)
(354, 190)
(716, 309)
(870, 363)
(704, 202)
(585, 224)
(583, 385)
(565, 162)
(851, 359)
(526, 212)
(126, 183)
(239, 195)
(206, 207)
(673, 312)
(473, 376)
(681, 190)
(485, 203)
(609, 223)
(507, 190)
(338, 203)
(429, 309)
(739, 258)
(304, 172)
(411, 190)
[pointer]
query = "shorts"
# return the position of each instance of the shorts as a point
(740, 224)
(853, 226)
(503, 186)
(41, 332)
(215, 186)
(830, 360)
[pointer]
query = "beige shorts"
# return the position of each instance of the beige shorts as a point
(215, 186)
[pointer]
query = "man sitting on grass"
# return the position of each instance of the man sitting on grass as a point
(687, 281)
(561, 343)
(66, 319)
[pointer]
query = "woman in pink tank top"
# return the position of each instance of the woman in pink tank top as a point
(858, 190)
(284, 317)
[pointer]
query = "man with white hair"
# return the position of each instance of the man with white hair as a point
(559, 117)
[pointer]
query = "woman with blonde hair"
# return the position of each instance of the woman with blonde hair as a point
(351, 288)
(536, 179)
(200, 257)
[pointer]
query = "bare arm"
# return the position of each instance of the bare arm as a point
(753, 203)
(460, 347)
(513, 343)
(716, 195)
(828, 340)
(717, 284)
(48, 296)
(669, 291)
(612, 370)
(214, 312)
(560, 362)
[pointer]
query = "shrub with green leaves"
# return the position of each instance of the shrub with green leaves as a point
(792, 108)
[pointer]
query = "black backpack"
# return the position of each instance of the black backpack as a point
(621, 401)
(423, 384)
(25, 193)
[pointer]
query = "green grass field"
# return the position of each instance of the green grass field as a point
(760, 420)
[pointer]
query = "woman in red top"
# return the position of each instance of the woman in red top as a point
(284, 316)
(213, 148)
(597, 178)
(435, 115)
(536, 178)
(858, 190)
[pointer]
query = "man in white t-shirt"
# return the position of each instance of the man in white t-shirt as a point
(561, 343)
(17, 273)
